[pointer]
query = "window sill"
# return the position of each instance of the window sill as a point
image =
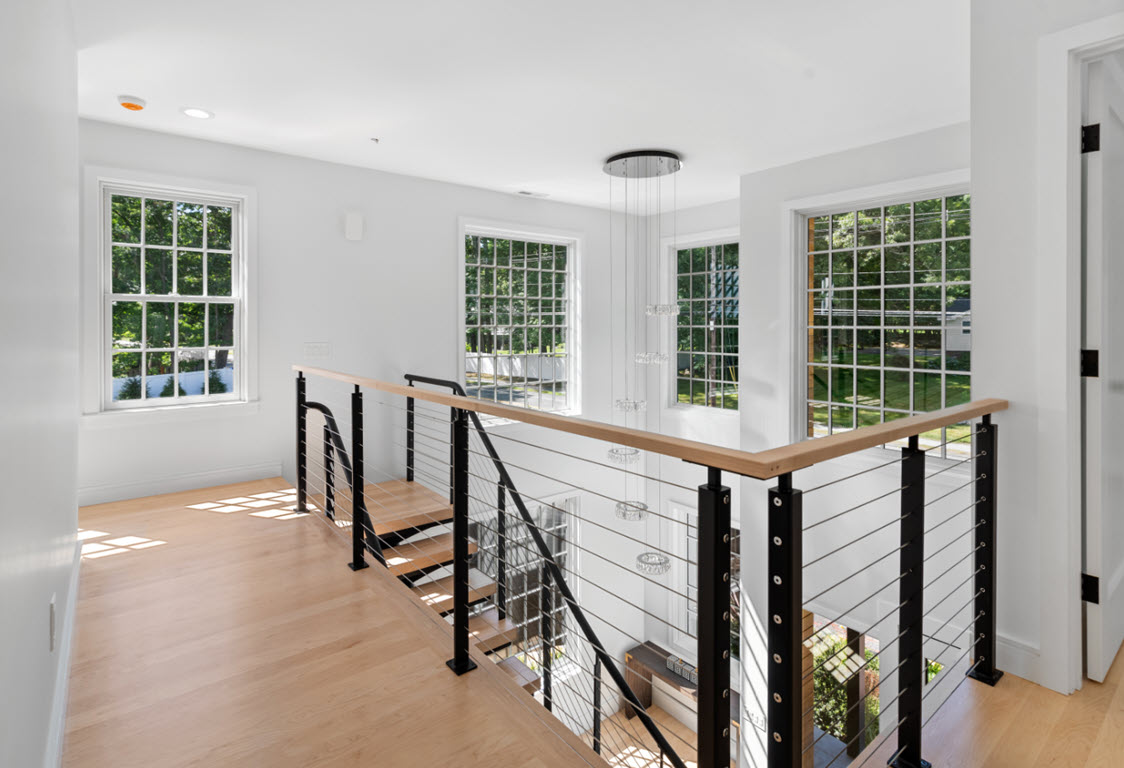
(168, 414)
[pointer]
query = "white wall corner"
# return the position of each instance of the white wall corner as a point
(57, 727)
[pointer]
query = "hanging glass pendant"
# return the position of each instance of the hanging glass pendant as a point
(630, 406)
(622, 454)
(662, 310)
(632, 510)
(651, 358)
(653, 563)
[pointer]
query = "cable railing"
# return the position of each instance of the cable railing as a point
(528, 556)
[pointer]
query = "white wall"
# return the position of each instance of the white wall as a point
(388, 305)
(1028, 355)
(38, 298)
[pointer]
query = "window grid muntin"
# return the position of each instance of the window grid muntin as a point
(717, 275)
(821, 320)
(553, 303)
(208, 351)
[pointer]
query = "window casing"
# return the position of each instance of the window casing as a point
(707, 326)
(172, 293)
(888, 315)
(518, 315)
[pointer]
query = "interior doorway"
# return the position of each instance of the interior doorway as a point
(1102, 344)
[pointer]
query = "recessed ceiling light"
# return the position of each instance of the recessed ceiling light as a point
(199, 114)
(131, 103)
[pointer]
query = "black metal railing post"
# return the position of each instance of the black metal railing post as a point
(983, 652)
(461, 661)
(358, 508)
(302, 445)
(410, 438)
(714, 622)
(546, 632)
(786, 558)
(329, 474)
(911, 614)
(597, 705)
(453, 419)
(501, 553)
(854, 730)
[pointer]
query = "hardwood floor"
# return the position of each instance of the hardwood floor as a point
(215, 628)
(233, 634)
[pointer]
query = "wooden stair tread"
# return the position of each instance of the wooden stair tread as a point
(489, 632)
(413, 556)
(527, 679)
(438, 594)
(394, 505)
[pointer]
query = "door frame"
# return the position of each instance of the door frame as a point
(1061, 57)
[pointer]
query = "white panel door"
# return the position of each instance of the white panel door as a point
(1104, 395)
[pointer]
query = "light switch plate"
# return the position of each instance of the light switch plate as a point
(317, 350)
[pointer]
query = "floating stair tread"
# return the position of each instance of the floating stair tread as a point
(489, 632)
(438, 594)
(527, 679)
(394, 505)
(411, 557)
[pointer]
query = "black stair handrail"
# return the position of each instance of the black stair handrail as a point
(607, 661)
(337, 440)
(359, 503)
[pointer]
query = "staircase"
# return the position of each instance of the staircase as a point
(410, 521)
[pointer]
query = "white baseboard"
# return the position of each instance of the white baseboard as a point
(57, 729)
(100, 494)
(1018, 658)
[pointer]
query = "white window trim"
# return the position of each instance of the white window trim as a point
(575, 242)
(669, 268)
(795, 214)
(94, 363)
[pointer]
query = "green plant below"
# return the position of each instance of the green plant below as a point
(829, 707)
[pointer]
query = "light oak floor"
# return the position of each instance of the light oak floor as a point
(233, 634)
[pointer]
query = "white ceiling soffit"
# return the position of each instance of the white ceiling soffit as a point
(532, 96)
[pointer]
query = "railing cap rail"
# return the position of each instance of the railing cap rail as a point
(763, 465)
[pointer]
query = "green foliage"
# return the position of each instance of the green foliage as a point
(829, 710)
(169, 387)
(131, 389)
(215, 382)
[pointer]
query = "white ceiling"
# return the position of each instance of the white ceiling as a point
(529, 95)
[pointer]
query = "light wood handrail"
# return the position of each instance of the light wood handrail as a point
(763, 465)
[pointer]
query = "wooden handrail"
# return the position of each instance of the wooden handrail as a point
(763, 465)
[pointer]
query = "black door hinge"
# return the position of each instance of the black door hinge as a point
(1090, 589)
(1091, 138)
(1090, 363)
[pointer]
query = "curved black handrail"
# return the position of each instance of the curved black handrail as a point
(359, 503)
(337, 440)
(556, 571)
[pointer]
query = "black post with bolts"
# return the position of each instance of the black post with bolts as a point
(358, 508)
(714, 622)
(410, 438)
(546, 632)
(911, 588)
(501, 553)
(329, 475)
(461, 661)
(983, 651)
(302, 445)
(785, 622)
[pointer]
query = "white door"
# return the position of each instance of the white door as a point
(1104, 395)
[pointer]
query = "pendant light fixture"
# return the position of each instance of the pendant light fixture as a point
(641, 185)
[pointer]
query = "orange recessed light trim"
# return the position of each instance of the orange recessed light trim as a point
(131, 103)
